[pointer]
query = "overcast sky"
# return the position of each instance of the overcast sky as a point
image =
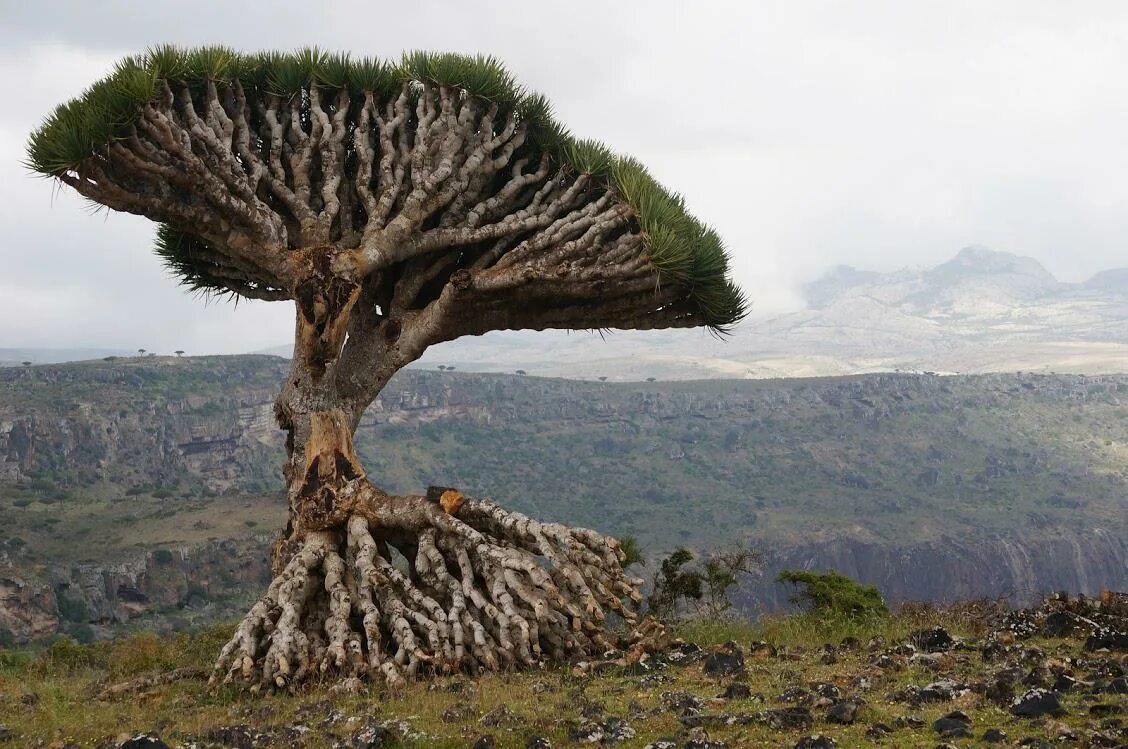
(873, 134)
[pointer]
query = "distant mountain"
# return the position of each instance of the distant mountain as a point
(1114, 281)
(982, 311)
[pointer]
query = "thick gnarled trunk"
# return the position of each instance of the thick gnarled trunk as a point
(372, 585)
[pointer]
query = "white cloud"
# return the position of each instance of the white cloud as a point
(879, 134)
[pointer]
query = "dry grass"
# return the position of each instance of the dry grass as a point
(50, 695)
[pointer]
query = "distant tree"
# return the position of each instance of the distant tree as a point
(140, 352)
(178, 353)
(721, 571)
(26, 363)
(704, 589)
(674, 584)
(834, 594)
(522, 372)
(603, 378)
(442, 367)
(650, 379)
(450, 368)
(396, 206)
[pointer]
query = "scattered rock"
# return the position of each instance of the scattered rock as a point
(1036, 703)
(934, 640)
(796, 695)
(941, 691)
(6, 733)
(724, 660)
(878, 731)
(994, 736)
(459, 713)
(909, 721)
(500, 715)
(537, 742)
(843, 713)
(788, 718)
(1107, 639)
(698, 739)
(1119, 685)
(683, 702)
(818, 741)
(1102, 710)
(954, 725)
(736, 691)
(1060, 624)
(662, 744)
(485, 741)
(610, 731)
(141, 741)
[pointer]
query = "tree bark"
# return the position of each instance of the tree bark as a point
(369, 584)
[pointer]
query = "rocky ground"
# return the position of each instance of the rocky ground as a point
(970, 675)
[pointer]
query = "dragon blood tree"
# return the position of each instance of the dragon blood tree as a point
(396, 206)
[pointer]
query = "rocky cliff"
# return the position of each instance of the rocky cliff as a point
(145, 491)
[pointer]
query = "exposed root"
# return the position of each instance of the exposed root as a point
(406, 588)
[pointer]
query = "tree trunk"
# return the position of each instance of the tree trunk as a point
(369, 584)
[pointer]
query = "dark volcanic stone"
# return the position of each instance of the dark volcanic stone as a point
(485, 741)
(939, 691)
(788, 718)
(662, 744)
(144, 741)
(373, 737)
(798, 695)
(736, 691)
(1060, 624)
(994, 736)
(934, 640)
(6, 733)
(816, 742)
(878, 730)
(1107, 639)
(1036, 703)
(822, 689)
(843, 712)
(725, 660)
(239, 737)
(908, 721)
(1101, 710)
(682, 702)
(537, 742)
(1119, 685)
(953, 725)
(1064, 683)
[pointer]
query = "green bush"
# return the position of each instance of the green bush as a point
(162, 556)
(834, 595)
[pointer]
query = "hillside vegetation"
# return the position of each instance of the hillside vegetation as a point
(140, 486)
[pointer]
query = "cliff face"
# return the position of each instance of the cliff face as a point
(144, 491)
(1019, 567)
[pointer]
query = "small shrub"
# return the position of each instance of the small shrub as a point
(82, 632)
(632, 552)
(834, 595)
(162, 556)
(68, 654)
(674, 585)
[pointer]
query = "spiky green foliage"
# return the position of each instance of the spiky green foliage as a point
(187, 257)
(684, 250)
